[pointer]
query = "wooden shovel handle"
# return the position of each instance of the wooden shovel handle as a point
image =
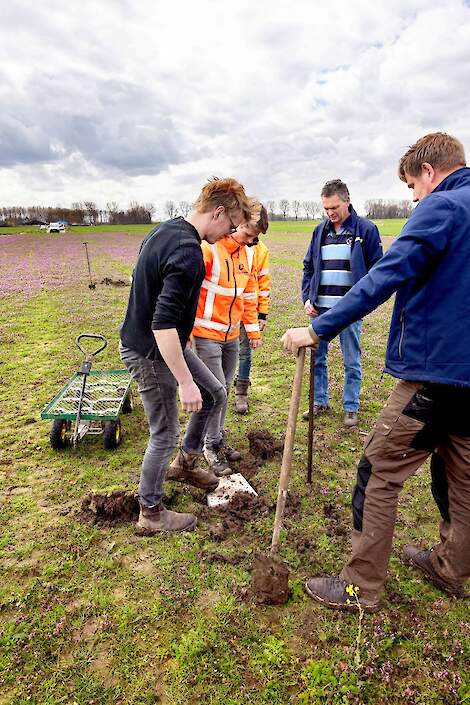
(288, 448)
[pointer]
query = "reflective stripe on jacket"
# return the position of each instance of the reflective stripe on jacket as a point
(263, 277)
(228, 293)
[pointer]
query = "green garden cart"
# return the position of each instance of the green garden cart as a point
(91, 402)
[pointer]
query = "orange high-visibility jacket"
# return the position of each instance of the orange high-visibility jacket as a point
(261, 266)
(229, 292)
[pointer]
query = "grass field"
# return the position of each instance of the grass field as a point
(95, 615)
(387, 227)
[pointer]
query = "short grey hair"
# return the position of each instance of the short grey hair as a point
(336, 187)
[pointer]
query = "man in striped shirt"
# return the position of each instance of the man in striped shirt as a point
(342, 250)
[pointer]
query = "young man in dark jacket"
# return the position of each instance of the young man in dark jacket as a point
(342, 250)
(154, 347)
(428, 351)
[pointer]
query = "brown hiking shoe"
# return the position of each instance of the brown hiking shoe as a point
(153, 520)
(183, 469)
(317, 410)
(350, 419)
(241, 396)
(331, 592)
(421, 559)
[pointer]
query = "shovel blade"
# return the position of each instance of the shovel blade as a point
(269, 580)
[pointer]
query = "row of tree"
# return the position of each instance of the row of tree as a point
(380, 208)
(87, 211)
(309, 210)
(81, 212)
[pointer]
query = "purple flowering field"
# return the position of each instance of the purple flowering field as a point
(29, 263)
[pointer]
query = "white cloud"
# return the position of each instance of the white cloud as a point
(125, 100)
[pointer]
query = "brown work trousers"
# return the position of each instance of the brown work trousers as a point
(391, 456)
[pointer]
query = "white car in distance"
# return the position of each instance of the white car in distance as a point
(56, 228)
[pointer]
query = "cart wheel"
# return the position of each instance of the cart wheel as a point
(112, 434)
(58, 434)
(128, 405)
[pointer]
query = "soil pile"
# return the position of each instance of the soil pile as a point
(269, 580)
(107, 281)
(263, 446)
(243, 508)
(109, 509)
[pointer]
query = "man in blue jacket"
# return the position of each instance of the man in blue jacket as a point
(429, 352)
(342, 250)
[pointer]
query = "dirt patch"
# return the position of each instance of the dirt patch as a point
(107, 281)
(263, 446)
(334, 520)
(269, 580)
(220, 558)
(111, 509)
(244, 508)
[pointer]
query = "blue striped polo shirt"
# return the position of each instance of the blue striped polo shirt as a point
(336, 276)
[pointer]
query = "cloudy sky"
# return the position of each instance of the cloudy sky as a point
(124, 100)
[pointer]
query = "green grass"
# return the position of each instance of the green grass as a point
(387, 227)
(100, 616)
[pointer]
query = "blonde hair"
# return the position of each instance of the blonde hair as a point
(258, 216)
(228, 193)
(440, 150)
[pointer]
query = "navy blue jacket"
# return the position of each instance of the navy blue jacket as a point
(428, 266)
(366, 250)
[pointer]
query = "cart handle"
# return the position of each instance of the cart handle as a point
(87, 354)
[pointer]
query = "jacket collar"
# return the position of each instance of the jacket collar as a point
(229, 244)
(460, 177)
(349, 223)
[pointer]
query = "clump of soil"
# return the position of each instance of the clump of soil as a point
(109, 509)
(269, 580)
(263, 446)
(114, 282)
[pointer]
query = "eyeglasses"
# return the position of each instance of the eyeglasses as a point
(233, 227)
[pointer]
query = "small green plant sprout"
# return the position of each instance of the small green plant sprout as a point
(353, 592)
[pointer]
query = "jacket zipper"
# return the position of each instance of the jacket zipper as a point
(233, 300)
(228, 270)
(402, 332)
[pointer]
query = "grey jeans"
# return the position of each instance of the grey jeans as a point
(157, 388)
(222, 359)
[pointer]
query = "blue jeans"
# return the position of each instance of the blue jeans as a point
(350, 341)
(157, 388)
(244, 365)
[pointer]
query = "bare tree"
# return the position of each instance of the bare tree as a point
(91, 211)
(271, 206)
(150, 208)
(307, 207)
(170, 209)
(296, 208)
(284, 207)
(185, 208)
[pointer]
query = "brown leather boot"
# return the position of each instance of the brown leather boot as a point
(183, 469)
(421, 559)
(152, 520)
(241, 396)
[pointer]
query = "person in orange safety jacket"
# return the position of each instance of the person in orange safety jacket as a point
(228, 298)
(242, 383)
